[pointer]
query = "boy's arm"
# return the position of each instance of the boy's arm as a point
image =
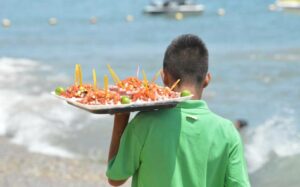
(236, 174)
(120, 123)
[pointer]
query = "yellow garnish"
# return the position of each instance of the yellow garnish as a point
(95, 79)
(175, 84)
(80, 75)
(145, 78)
(113, 74)
(76, 75)
(105, 83)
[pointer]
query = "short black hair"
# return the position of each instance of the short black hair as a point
(186, 58)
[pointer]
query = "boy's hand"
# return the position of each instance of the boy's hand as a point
(120, 123)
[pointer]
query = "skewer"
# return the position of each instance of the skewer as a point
(175, 84)
(156, 75)
(138, 71)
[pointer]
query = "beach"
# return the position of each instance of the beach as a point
(254, 56)
(20, 168)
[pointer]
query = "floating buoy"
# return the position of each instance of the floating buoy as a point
(6, 23)
(178, 16)
(221, 12)
(272, 7)
(129, 18)
(93, 20)
(52, 21)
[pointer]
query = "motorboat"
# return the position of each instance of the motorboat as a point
(288, 4)
(173, 6)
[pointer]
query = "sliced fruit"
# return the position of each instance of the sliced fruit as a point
(185, 93)
(59, 90)
(125, 100)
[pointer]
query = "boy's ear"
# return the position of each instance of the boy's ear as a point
(165, 76)
(207, 80)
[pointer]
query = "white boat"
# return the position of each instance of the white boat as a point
(288, 4)
(173, 6)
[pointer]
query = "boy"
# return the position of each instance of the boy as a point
(186, 146)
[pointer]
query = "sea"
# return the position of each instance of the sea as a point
(254, 62)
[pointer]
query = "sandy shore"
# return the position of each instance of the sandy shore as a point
(20, 168)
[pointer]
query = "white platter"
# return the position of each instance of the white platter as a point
(117, 108)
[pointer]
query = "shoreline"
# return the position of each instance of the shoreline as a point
(18, 167)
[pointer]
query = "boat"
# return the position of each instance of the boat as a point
(173, 6)
(288, 4)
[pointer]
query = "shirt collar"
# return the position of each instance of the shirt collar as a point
(192, 104)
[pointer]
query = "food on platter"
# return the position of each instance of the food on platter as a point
(185, 93)
(59, 90)
(130, 92)
(153, 92)
(96, 97)
(76, 91)
(87, 95)
(137, 89)
(125, 100)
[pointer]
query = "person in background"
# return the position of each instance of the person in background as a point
(185, 146)
(241, 124)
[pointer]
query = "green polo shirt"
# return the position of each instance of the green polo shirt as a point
(186, 146)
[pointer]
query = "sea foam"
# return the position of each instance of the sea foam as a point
(278, 136)
(29, 115)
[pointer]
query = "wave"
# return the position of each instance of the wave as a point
(29, 115)
(278, 136)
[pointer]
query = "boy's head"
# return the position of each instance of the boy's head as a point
(186, 58)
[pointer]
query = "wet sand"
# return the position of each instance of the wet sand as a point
(19, 168)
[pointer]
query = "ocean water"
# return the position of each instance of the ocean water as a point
(254, 61)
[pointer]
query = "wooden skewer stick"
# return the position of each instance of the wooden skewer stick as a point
(175, 84)
(156, 75)
(137, 71)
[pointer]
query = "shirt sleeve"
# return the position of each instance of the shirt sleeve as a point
(236, 173)
(127, 160)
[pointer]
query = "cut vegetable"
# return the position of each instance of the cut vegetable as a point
(125, 100)
(80, 75)
(59, 90)
(113, 74)
(145, 79)
(95, 79)
(105, 83)
(185, 93)
(76, 81)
